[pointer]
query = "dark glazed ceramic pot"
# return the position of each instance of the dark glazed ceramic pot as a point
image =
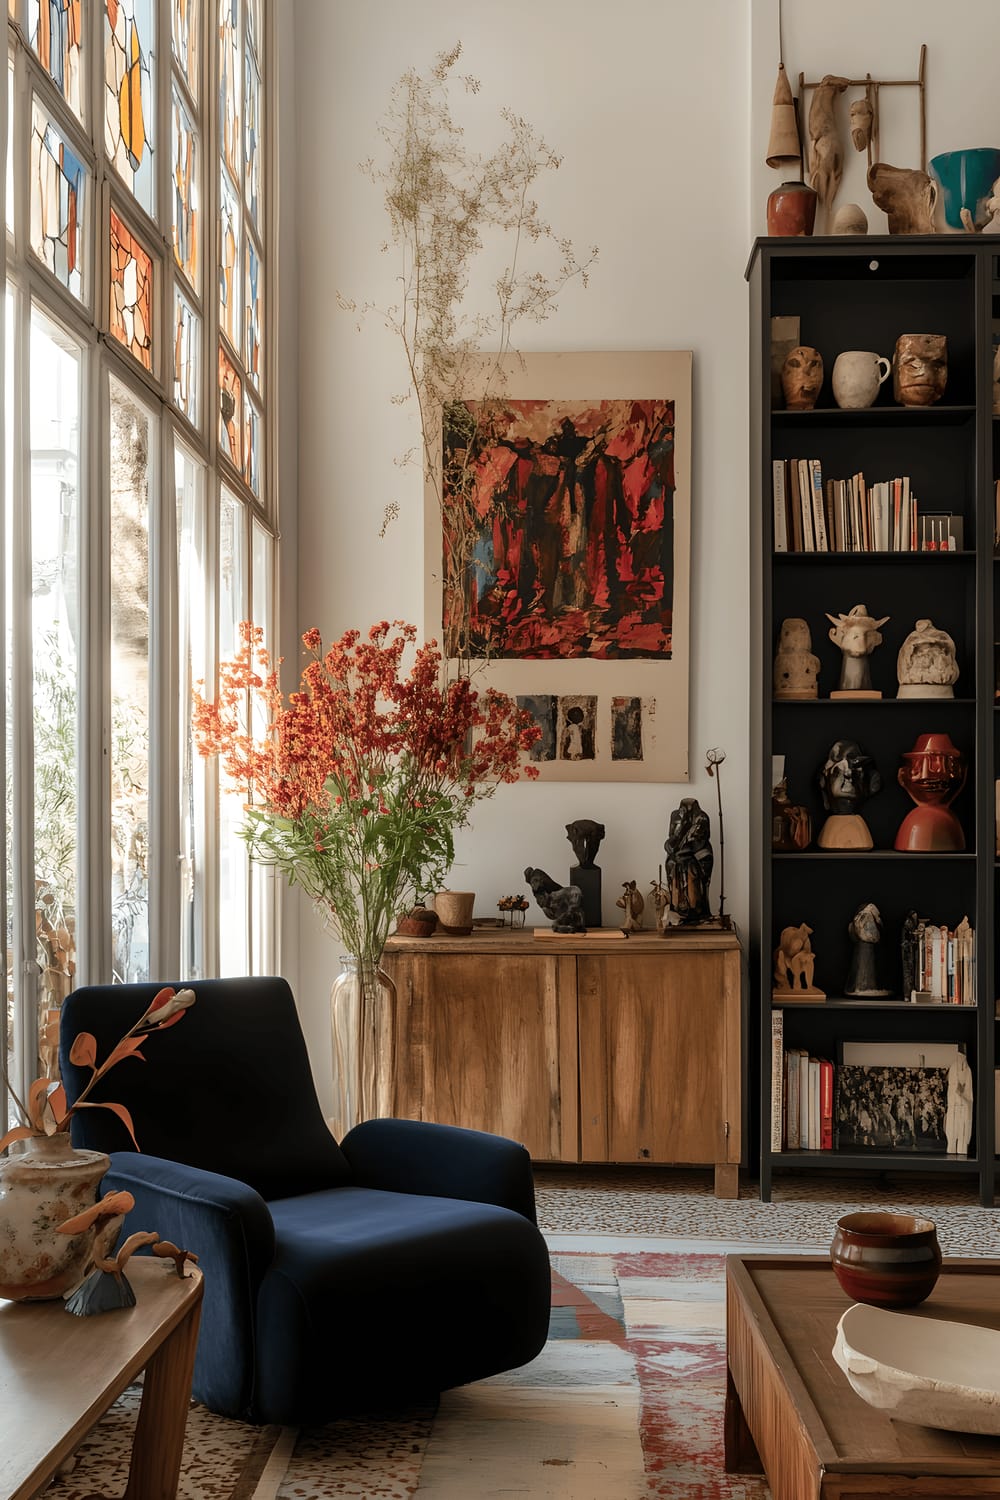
(889, 1260)
(791, 209)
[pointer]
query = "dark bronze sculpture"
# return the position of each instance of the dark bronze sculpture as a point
(865, 930)
(562, 904)
(689, 862)
(585, 835)
(848, 778)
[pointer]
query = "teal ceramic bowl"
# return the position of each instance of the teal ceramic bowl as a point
(966, 179)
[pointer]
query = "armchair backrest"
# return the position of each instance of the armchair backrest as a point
(228, 1089)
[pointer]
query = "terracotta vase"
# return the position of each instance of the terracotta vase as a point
(791, 209)
(889, 1260)
(39, 1190)
(933, 774)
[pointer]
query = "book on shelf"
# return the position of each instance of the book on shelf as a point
(777, 1077)
(805, 1113)
(813, 514)
(780, 506)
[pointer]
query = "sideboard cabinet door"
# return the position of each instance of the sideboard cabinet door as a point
(488, 1040)
(660, 1057)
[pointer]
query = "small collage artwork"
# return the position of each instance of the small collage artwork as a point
(582, 726)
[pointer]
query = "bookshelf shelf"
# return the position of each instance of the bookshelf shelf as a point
(947, 458)
(897, 856)
(892, 416)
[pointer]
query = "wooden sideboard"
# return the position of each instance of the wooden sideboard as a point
(592, 1048)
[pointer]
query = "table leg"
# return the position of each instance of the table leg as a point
(727, 1179)
(166, 1394)
(741, 1456)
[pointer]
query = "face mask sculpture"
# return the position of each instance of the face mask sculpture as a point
(802, 378)
(920, 368)
(848, 778)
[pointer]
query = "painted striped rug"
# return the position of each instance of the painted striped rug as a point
(624, 1402)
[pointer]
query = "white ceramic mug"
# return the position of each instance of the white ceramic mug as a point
(857, 375)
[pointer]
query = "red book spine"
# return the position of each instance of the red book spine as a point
(825, 1105)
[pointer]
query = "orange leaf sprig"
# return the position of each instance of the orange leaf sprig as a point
(357, 783)
(47, 1112)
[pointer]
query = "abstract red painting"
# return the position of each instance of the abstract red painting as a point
(570, 505)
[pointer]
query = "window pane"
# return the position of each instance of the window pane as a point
(185, 189)
(251, 445)
(192, 594)
(55, 630)
(129, 113)
(57, 202)
(229, 84)
(251, 345)
(230, 410)
(187, 348)
(54, 31)
(132, 465)
(229, 265)
(131, 309)
(234, 877)
(184, 34)
(263, 881)
(251, 137)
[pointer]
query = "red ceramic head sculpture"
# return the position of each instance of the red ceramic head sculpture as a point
(933, 773)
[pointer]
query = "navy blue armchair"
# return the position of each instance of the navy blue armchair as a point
(338, 1278)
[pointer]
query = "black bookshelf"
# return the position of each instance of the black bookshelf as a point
(854, 293)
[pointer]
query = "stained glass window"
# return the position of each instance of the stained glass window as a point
(131, 312)
(185, 191)
(229, 84)
(251, 445)
(251, 137)
(230, 410)
(187, 333)
(229, 266)
(129, 112)
(253, 313)
(184, 35)
(58, 181)
(54, 31)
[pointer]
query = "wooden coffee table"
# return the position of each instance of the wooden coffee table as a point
(59, 1374)
(790, 1409)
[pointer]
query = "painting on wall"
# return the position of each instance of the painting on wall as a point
(560, 570)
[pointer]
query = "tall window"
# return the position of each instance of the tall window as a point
(138, 521)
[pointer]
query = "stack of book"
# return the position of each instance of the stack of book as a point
(844, 515)
(801, 1096)
(944, 964)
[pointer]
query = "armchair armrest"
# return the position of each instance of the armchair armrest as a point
(442, 1161)
(228, 1226)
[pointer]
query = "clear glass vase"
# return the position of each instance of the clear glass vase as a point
(362, 1008)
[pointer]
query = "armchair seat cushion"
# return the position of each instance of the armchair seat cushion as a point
(374, 1273)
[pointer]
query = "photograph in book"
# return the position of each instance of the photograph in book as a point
(891, 1109)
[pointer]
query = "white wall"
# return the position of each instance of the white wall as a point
(661, 109)
(648, 104)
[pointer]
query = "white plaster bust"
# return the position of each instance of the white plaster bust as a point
(926, 665)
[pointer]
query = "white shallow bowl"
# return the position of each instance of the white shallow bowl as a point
(920, 1370)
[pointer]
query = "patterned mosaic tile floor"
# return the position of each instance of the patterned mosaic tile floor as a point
(680, 1204)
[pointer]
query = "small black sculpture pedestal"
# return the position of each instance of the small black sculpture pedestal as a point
(585, 836)
(588, 879)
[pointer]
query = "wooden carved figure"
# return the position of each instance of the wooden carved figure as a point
(660, 897)
(633, 904)
(826, 154)
(906, 196)
(794, 964)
